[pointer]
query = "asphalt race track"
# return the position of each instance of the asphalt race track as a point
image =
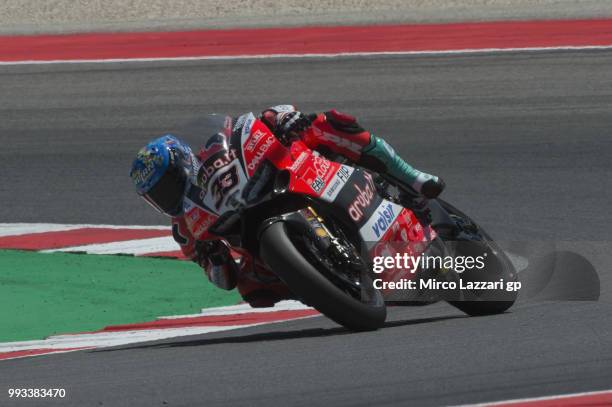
(522, 139)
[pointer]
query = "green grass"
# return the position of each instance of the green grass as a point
(44, 294)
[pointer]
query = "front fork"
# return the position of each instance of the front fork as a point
(304, 221)
(339, 252)
(309, 223)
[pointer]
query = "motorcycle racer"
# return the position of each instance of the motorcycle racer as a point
(165, 170)
(341, 134)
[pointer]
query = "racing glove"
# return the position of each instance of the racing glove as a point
(286, 122)
(292, 122)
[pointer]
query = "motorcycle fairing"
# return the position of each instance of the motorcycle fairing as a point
(255, 143)
(227, 168)
(314, 175)
(221, 177)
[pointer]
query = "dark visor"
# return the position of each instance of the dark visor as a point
(167, 194)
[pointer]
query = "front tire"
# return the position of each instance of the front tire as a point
(303, 279)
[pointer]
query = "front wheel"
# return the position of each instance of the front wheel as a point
(287, 256)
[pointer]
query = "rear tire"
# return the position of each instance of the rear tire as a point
(478, 303)
(303, 279)
(487, 302)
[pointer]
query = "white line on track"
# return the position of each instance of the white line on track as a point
(135, 247)
(105, 339)
(312, 55)
(286, 305)
(16, 229)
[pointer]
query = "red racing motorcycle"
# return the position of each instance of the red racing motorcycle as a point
(318, 224)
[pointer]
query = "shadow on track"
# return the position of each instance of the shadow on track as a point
(563, 276)
(275, 336)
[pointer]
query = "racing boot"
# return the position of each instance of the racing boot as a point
(379, 156)
(259, 287)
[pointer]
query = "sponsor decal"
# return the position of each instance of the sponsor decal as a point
(242, 120)
(380, 222)
(150, 162)
(260, 153)
(143, 175)
(337, 182)
(211, 166)
(239, 122)
(364, 197)
(333, 187)
(321, 166)
(297, 164)
(223, 184)
(344, 173)
(254, 139)
(198, 219)
(200, 228)
(317, 185)
(195, 168)
(385, 219)
(249, 119)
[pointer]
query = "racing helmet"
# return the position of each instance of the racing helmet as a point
(161, 173)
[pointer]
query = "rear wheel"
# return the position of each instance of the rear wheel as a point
(471, 240)
(308, 275)
(498, 267)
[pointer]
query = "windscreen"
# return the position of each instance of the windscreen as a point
(204, 133)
